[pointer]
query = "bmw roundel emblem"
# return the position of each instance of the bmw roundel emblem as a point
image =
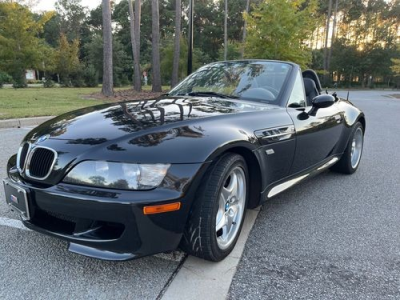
(42, 138)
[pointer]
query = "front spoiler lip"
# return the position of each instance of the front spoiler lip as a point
(99, 254)
(89, 251)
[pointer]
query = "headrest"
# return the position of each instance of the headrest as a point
(309, 85)
(312, 75)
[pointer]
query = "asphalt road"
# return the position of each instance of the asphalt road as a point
(34, 266)
(334, 236)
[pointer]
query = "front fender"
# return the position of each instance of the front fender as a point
(12, 162)
(351, 116)
(351, 113)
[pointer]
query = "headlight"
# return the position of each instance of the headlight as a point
(117, 175)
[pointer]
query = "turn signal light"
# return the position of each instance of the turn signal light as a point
(157, 209)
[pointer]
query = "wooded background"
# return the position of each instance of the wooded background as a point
(349, 42)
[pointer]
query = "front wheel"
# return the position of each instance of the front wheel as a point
(218, 211)
(351, 157)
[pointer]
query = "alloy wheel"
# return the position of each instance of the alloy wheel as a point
(231, 206)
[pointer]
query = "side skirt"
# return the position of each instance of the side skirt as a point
(282, 185)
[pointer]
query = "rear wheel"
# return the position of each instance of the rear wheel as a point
(351, 157)
(219, 210)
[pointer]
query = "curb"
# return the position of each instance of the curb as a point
(198, 279)
(24, 122)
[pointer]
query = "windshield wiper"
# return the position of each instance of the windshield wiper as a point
(213, 94)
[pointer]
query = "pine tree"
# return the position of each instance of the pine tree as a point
(135, 41)
(107, 89)
(175, 68)
(156, 73)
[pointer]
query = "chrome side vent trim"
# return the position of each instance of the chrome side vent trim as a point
(277, 134)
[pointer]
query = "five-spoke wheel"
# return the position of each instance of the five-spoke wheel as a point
(231, 206)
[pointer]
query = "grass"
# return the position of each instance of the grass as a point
(36, 102)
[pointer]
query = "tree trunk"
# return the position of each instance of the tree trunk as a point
(138, 15)
(177, 46)
(328, 61)
(155, 41)
(107, 89)
(328, 21)
(245, 28)
(135, 40)
(226, 31)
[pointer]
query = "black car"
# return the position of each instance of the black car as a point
(120, 181)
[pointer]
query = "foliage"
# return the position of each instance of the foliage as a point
(364, 44)
(235, 17)
(20, 47)
(77, 79)
(396, 66)
(71, 15)
(122, 62)
(51, 31)
(66, 60)
(90, 76)
(49, 83)
(277, 29)
(4, 78)
(233, 51)
(167, 53)
(317, 60)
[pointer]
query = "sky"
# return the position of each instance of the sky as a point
(49, 4)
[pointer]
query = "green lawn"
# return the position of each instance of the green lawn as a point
(35, 102)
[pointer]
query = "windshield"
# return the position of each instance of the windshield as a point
(250, 80)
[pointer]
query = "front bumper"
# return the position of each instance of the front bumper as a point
(110, 224)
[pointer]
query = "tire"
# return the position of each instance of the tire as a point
(201, 237)
(350, 160)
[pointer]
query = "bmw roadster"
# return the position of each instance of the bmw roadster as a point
(125, 180)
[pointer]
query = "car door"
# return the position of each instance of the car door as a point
(317, 130)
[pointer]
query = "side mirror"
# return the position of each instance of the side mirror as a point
(323, 101)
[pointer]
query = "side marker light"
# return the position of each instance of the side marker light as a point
(157, 209)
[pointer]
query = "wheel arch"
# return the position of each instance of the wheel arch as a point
(255, 176)
(253, 166)
(361, 119)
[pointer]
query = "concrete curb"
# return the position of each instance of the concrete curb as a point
(199, 279)
(25, 122)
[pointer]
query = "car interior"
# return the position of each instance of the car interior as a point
(311, 90)
(312, 85)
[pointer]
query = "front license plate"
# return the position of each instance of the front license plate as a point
(17, 198)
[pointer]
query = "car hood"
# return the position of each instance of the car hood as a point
(103, 123)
